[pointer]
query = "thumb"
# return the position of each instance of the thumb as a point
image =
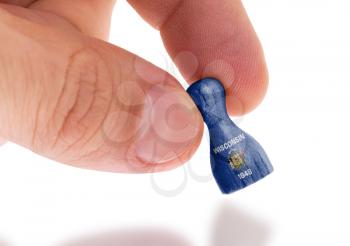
(84, 102)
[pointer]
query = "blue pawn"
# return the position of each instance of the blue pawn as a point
(237, 159)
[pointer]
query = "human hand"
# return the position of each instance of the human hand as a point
(67, 94)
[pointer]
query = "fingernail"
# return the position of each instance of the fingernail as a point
(175, 125)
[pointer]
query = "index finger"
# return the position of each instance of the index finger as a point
(212, 39)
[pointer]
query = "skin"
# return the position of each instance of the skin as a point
(69, 95)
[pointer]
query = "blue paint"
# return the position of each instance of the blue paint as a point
(237, 159)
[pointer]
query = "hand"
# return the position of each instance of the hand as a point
(67, 94)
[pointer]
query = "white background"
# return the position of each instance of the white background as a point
(303, 124)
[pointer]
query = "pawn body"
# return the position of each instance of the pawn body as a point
(237, 159)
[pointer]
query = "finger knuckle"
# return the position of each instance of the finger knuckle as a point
(83, 103)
